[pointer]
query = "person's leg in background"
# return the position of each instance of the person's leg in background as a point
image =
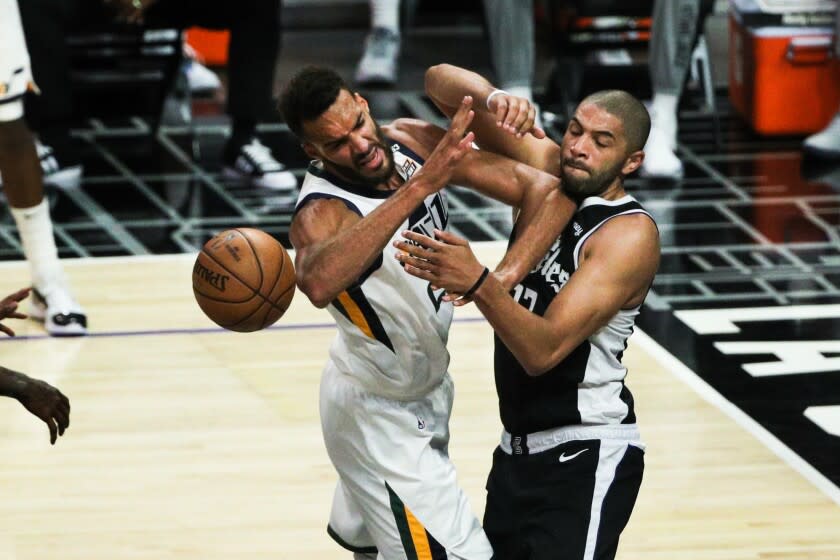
(826, 143)
(510, 24)
(252, 56)
(46, 24)
(675, 23)
(380, 61)
(24, 190)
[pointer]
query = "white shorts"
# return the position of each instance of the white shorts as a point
(15, 73)
(397, 492)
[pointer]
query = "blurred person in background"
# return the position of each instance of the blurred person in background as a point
(252, 54)
(52, 301)
(826, 143)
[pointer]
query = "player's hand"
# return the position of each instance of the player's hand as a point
(47, 403)
(515, 115)
(446, 261)
(9, 306)
(454, 145)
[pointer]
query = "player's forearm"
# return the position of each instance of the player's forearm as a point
(12, 383)
(544, 213)
(335, 265)
(447, 85)
(531, 338)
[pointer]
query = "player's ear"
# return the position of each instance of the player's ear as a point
(310, 150)
(361, 101)
(633, 162)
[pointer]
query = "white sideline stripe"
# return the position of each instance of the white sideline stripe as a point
(710, 395)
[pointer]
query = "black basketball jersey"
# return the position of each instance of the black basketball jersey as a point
(587, 387)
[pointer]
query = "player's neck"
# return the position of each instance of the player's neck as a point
(614, 191)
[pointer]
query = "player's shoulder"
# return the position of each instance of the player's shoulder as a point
(628, 235)
(419, 136)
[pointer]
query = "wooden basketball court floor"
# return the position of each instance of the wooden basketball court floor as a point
(188, 442)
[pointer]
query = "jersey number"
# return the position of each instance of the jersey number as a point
(525, 295)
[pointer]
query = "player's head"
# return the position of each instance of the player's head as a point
(603, 143)
(335, 126)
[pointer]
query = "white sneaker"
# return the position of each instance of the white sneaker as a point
(256, 164)
(660, 160)
(60, 313)
(378, 65)
(200, 78)
(63, 176)
(826, 143)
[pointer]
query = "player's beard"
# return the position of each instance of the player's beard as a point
(593, 184)
(356, 175)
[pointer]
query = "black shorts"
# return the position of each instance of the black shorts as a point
(571, 501)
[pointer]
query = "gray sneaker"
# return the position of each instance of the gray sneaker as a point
(379, 62)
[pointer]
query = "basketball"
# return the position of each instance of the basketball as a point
(243, 279)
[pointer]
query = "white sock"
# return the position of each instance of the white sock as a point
(663, 112)
(385, 14)
(36, 235)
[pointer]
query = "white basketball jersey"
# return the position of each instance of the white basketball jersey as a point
(392, 328)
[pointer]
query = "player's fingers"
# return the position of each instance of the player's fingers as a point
(6, 330)
(62, 421)
(423, 240)
(414, 261)
(17, 315)
(64, 401)
(53, 430)
(414, 250)
(449, 238)
(466, 143)
(521, 119)
(20, 294)
(462, 117)
(424, 274)
(537, 132)
(501, 109)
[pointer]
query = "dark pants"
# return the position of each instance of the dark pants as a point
(540, 506)
(254, 44)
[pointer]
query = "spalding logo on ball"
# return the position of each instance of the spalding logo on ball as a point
(243, 280)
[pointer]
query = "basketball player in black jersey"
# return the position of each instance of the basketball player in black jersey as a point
(38, 397)
(568, 470)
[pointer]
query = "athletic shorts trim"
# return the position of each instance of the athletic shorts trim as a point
(538, 442)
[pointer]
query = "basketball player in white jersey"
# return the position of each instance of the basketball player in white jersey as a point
(386, 395)
(568, 470)
(21, 172)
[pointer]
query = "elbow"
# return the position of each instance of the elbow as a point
(536, 368)
(539, 363)
(433, 76)
(317, 293)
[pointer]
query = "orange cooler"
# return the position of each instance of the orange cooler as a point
(783, 79)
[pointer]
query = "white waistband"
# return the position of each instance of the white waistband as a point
(548, 439)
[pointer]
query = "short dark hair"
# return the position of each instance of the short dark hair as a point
(310, 92)
(629, 110)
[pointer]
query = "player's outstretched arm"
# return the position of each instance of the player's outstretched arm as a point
(504, 125)
(38, 397)
(334, 246)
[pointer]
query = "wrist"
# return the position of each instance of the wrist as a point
(493, 94)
